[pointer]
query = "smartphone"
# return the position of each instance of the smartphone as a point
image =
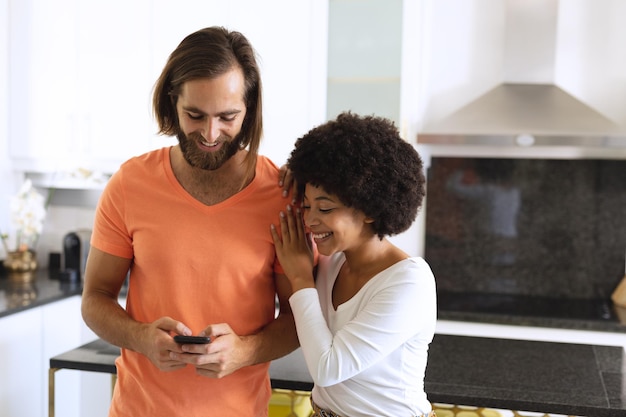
(196, 340)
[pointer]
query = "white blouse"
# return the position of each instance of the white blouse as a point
(368, 357)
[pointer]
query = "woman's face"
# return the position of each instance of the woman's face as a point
(335, 227)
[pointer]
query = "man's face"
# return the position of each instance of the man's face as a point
(210, 113)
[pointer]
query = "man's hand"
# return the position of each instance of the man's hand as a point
(226, 353)
(157, 343)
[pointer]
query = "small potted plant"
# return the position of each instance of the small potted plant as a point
(28, 212)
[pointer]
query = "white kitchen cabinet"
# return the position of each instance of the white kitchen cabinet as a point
(27, 342)
(21, 374)
(6, 175)
(113, 119)
(82, 73)
(42, 78)
(79, 91)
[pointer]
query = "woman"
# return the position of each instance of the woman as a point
(366, 320)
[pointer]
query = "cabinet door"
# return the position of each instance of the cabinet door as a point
(61, 331)
(80, 83)
(27, 342)
(21, 374)
(42, 78)
(113, 121)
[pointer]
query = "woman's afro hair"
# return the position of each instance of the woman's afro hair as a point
(367, 165)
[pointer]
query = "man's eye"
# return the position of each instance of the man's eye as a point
(229, 118)
(195, 116)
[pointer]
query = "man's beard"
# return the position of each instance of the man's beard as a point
(207, 160)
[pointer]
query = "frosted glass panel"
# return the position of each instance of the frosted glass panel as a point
(364, 57)
(381, 99)
(365, 38)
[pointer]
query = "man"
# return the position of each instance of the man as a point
(190, 225)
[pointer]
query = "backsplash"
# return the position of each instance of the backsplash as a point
(529, 227)
(69, 211)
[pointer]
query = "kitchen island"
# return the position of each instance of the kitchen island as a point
(548, 377)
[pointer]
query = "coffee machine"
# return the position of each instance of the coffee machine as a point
(75, 250)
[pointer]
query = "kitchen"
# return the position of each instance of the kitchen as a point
(464, 57)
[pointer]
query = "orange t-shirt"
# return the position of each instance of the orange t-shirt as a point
(195, 263)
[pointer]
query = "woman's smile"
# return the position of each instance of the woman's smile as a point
(320, 237)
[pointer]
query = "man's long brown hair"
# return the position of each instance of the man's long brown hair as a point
(209, 53)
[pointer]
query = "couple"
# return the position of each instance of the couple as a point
(192, 225)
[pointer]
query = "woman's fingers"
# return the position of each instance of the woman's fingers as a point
(300, 224)
(293, 231)
(292, 228)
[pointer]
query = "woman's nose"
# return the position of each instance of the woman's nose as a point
(309, 218)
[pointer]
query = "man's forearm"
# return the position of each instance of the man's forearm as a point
(276, 340)
(108, 319)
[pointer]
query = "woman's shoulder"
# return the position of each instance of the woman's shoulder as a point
(409, 270)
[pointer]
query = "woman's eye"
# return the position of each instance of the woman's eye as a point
(325, 210)
(229, 118)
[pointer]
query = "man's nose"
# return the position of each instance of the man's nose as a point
(211, 130)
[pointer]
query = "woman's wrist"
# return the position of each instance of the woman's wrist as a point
(299, 283)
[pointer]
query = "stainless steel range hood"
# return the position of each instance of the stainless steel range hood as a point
(539, 91)
(530, 108)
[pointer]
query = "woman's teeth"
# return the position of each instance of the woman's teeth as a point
(321, 235)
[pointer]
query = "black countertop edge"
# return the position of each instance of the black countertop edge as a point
(520, 405)
(38, 292)
(291, 385)
(518, 320)
(35, 304)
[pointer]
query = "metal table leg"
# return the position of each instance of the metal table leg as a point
(51, 373)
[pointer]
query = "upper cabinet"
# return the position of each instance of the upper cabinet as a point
(82, 73)
(80, 83)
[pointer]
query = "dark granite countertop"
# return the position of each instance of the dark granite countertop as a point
(18, 295)
(561, 378)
